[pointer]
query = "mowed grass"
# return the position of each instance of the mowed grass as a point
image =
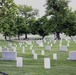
(61, 66)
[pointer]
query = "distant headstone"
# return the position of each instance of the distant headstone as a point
(33, 51)
(5, 50)
(28, 42)
(67, 44)
(25, 45)
(40, 44)
(72, 55)
(68, 41)
(14, 49)
(30, 47)
(48, 48)
(60, 44)
(63, 48)
(54, 56)
(47, 63)
(23, 49)
(48, 42)
(35, 56)
(51, 44)
(10, 45)
(42, 52)
(44, 40)
(52, 39)
(19, 62)
(74, 40)
(20, 44)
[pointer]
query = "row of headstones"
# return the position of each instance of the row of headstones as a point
(47, 65)
(40, 43)
(13, 56)
(19, 62)
(48, 47)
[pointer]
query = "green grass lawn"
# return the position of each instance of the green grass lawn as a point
(61, 66)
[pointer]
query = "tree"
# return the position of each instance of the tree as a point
(21, 26)
(70, 24)
(40, 26)
(58, 10)
(28, 12)
(8, 12)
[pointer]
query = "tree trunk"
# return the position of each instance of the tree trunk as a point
(58, 35)
(5, 37)
(43, 37)
(18, 37)
(26, 36)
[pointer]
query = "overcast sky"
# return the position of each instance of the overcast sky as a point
(38, 4)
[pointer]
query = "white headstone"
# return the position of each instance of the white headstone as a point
(68, 41)
(74, 40)
(42, 52)
(23, 49)
(48, 42)
(48, 48)
(61, 41)
(19, 62)
(33, 51)
(15, 45)
(54, 41)
(9, 55)
(30, 47)
(47, 63)
(35, 56)
(60, 44)
(20, 44)
(28, 42)
(67, 44)
(26, 45)
(10, 45)
(44, 40)
(14, 49)
(54, 56)
(72, 55)
(5, 50)
(51, 44)
(40, 44)
(63, 48)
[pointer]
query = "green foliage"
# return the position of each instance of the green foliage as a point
(70, 24)
(27, 11)
(29, 14)
(62, 19)
(40, 26)
(7, 17)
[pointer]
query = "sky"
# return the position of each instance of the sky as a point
(39, 4)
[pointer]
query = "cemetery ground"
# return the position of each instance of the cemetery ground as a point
(61, 66)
